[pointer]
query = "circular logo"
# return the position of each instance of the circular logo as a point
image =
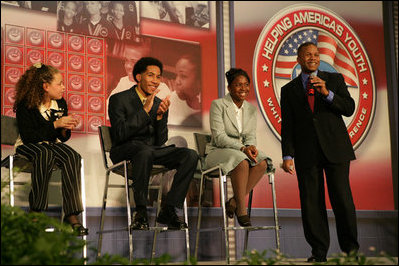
(14, 54)
(34, 56)
(36, 38)
(95, 65)
(94, 46)
(76, 62)
(76, 102)
(75, 82)
(104, 32)
(341, 51)
(95, 104)
(95, 84)
(56, 59)
(10, 96)
(94, 123)
(56, 40)
(14, 35)
(76, 43)
(13, 74)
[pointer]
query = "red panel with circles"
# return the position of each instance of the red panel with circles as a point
(80, 59)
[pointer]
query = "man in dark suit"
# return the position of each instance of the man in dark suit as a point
(314, 134)
(139, 131)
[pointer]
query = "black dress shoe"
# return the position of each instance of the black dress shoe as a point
(140, 222)
(168, 216)
(79, 229)
(317, 259)
(244, 220)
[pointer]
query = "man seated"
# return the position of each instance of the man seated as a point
(139, 131)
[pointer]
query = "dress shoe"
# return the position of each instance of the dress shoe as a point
(168, 216)
(230, 209)
(140, 221)
(317, 259)
(79, 229)
(244, 220)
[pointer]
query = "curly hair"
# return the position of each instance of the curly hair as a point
(29, 88)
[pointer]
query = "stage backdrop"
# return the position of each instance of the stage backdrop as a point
(97, 61)
(351, 41)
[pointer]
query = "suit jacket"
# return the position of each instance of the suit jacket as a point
(303, 131)
(224, 125)
(129, 121)
(34, 128)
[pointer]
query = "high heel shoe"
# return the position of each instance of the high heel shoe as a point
(244, 220)
(230, 209)
(77, 228)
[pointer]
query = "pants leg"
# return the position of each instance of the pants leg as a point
(185, 161)
(142, 163)
(313, 208)
(337, 176)
(69, 161)
(43, 159)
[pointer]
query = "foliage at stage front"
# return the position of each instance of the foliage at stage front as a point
(253, 257)
(24, 239)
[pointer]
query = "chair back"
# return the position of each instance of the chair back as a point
(9, 130)
(104, 132)
(201, 139)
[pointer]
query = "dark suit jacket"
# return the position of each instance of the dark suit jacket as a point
(33, 128)
(130, 123)
(303, 131)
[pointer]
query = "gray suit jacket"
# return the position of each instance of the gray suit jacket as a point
(226, 141)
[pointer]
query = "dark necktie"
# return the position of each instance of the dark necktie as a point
(310, 93)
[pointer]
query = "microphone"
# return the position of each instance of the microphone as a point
(311, 87)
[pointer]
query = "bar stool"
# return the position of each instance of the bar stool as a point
(122, 169)
(216, 172)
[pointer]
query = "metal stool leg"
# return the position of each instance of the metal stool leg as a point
(12, 201)
(187, 232)
(159, 199)
(100, 233)
(199, 217)
(222, 179)
(129, 214)
(83, 195)
(249, 215)
(277, 227)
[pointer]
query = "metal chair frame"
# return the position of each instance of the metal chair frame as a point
(9, 126)
(121, 169)
(216, 172)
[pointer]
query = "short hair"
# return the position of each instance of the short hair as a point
(143, 63)
(303, 46)
(235, 72)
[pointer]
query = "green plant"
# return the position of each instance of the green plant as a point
(253, 257)
(358, 258)
(24, 239)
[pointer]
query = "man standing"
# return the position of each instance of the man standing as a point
(314, 134)
(139, 131)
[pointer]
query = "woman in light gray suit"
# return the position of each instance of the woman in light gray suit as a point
(233, 145)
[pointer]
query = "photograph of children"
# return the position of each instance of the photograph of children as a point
(191, 13)
(45, 6)
(181, 77)
(115, 20)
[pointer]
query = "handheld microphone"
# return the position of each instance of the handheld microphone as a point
(311, 90)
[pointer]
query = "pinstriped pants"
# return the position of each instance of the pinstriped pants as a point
(43, 157)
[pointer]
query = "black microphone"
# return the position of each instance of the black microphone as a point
(311, 87)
